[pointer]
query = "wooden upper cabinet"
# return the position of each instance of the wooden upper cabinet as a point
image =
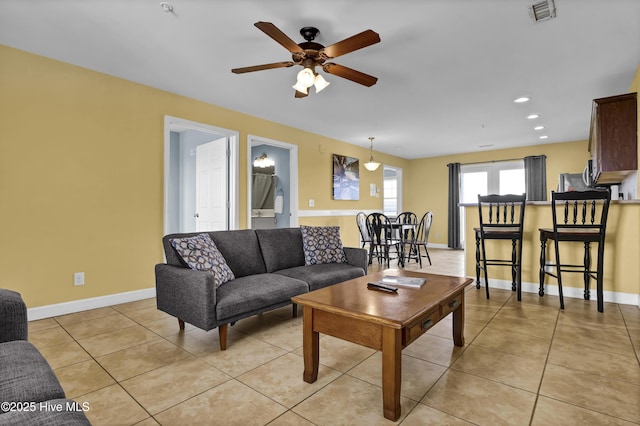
(613, 139)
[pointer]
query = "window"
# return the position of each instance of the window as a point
(499, 177)
(391, 191)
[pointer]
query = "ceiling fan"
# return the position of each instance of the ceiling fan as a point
(310, 54)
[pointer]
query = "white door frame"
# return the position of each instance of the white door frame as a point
(174, 124)
(252, 141)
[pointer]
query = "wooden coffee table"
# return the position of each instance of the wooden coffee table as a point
(387, 322)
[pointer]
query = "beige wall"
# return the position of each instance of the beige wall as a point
(81, 176)
(426, 180)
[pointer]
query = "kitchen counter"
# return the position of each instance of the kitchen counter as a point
(622, 251)
(548, 203)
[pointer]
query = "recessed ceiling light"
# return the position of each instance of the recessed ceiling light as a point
(533, 116)
(522, 100)
(538, 128)
(485, 146)
(544, 137)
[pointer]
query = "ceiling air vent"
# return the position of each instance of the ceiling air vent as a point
(542, 10)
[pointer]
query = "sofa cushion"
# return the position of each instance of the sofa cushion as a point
(241, 250)
(26, 375)
(254, 293)
(323, 275)
(55, 412)
(201, 253)
(322, 244)
(281, 248)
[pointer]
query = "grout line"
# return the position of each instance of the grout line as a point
(484, 327)
(544, 368)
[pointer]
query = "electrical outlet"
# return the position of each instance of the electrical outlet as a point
(312, 203)
(78, 278)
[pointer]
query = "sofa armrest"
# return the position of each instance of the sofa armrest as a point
(187, 294)
(13, 316)
(357, 257)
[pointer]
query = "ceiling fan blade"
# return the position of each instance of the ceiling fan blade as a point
(350, 74)
(262, 67)
(300, 95)
(274, 32)
(358, 41)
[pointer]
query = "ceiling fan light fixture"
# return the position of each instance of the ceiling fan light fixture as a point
(371, 165)
(300, 88)
(306, 77)
(320, 83)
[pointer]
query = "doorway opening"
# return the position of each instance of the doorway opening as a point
(392, 191)
(200, 177)
(272, 186)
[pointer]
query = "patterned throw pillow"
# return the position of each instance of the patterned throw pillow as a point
(201, 254)
(322, 244)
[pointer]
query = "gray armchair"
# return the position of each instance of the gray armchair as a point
(13, 313)
(25, 376)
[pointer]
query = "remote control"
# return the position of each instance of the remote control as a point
(382, 287)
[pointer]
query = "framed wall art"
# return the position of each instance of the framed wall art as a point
(346, 178)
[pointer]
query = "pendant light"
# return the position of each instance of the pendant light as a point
(371, 165)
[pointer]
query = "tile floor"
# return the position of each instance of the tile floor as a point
(523, 363)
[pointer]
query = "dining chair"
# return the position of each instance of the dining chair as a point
(365, 236)
(501, 218)
(361, 221)
(578, 217)
(406, 226)
(382, 238)
(422, 236)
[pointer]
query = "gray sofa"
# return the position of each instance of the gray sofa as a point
(269, 268)
(30, 393)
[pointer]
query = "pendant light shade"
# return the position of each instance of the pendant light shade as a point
(371, 165)
(320, 83)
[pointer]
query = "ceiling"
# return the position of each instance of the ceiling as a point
(448, 70)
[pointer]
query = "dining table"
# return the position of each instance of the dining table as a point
(400, 231)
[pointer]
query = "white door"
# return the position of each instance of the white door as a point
(211, 187)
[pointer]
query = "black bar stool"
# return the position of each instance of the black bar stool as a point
(584, 220)
(501, 218)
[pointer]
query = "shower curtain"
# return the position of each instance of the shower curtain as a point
(262, 190)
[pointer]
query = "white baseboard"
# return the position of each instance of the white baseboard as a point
(131, 296)
(572, 292)
(438, 246)
(85, 304)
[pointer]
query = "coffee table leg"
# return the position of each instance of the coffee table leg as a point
(458, 323)
(310, 346)
(391, 372)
